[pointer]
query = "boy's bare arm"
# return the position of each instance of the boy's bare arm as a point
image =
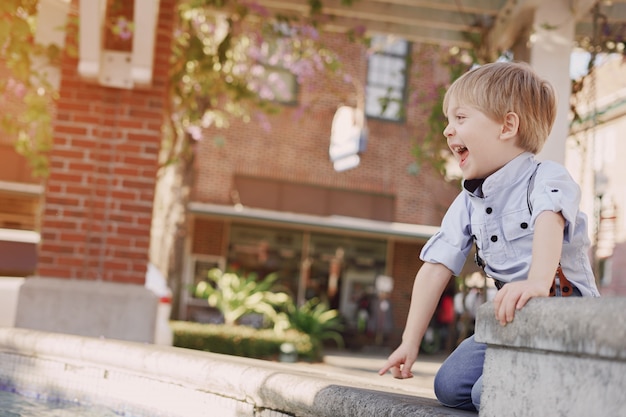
(430, 282)
(547, 246)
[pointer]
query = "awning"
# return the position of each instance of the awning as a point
(390, 230)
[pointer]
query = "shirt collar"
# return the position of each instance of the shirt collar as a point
(511, 173)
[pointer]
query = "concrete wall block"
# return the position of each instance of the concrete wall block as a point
(9, 291)
(519, 383)
(88, 308)
(559, 357)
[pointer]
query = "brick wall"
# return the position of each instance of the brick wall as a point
(208, 237)
(98, 206)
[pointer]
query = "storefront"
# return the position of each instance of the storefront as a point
(334, 258)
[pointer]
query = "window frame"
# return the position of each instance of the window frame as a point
(386, 53)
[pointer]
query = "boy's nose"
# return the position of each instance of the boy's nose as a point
(447, 131)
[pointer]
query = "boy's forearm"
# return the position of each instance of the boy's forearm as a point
(430, 282)
(547, 246)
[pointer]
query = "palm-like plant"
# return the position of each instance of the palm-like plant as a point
(237, 295)
(317, 320)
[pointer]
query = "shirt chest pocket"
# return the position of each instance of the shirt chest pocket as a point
(518, 234)
(506, 240)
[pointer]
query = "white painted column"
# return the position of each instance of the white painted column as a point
(550, 50)
(551, 47)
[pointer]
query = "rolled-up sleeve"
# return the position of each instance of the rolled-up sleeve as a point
(453, 242)
(556, 191)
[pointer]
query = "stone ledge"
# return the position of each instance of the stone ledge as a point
(582, 326)
(181, 382)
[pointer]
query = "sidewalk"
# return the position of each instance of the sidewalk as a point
(360, 369)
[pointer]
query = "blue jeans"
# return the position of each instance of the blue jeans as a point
(459, 381)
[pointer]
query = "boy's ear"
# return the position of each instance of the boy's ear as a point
(510, 126)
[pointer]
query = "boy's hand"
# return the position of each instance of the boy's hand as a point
(400, 362)
(514, 295)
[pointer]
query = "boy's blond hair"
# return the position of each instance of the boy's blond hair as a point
(502, 87)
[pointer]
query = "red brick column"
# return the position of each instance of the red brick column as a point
(98, 199)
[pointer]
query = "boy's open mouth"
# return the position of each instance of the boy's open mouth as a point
(461, 151)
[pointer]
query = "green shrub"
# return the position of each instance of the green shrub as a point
(242, 340)
(236, 295)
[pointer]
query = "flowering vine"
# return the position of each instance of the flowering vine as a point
(27, 99)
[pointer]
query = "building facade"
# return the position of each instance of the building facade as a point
(271, 200)
(593, 159)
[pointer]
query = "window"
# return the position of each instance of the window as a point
(264, 250)
(387, 79)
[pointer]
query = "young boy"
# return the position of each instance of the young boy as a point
(521, 216)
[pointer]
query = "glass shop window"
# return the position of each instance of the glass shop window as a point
(265, 251)
(342, 270)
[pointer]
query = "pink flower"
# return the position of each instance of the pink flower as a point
(16, 88)
(195, 132)
(123, 28)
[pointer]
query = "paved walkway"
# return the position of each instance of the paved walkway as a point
(361, 369)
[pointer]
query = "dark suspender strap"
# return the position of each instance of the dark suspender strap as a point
(531, 185)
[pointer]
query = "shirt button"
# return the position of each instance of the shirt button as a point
(489, 210)
(494, 238)
(554, 190)
(524, 225)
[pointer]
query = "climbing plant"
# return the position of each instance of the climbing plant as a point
(431, 148)
(606, 38)
(223, 63)
(219, 68)
(26, 96)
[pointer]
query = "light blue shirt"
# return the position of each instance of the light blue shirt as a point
(495, 214)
